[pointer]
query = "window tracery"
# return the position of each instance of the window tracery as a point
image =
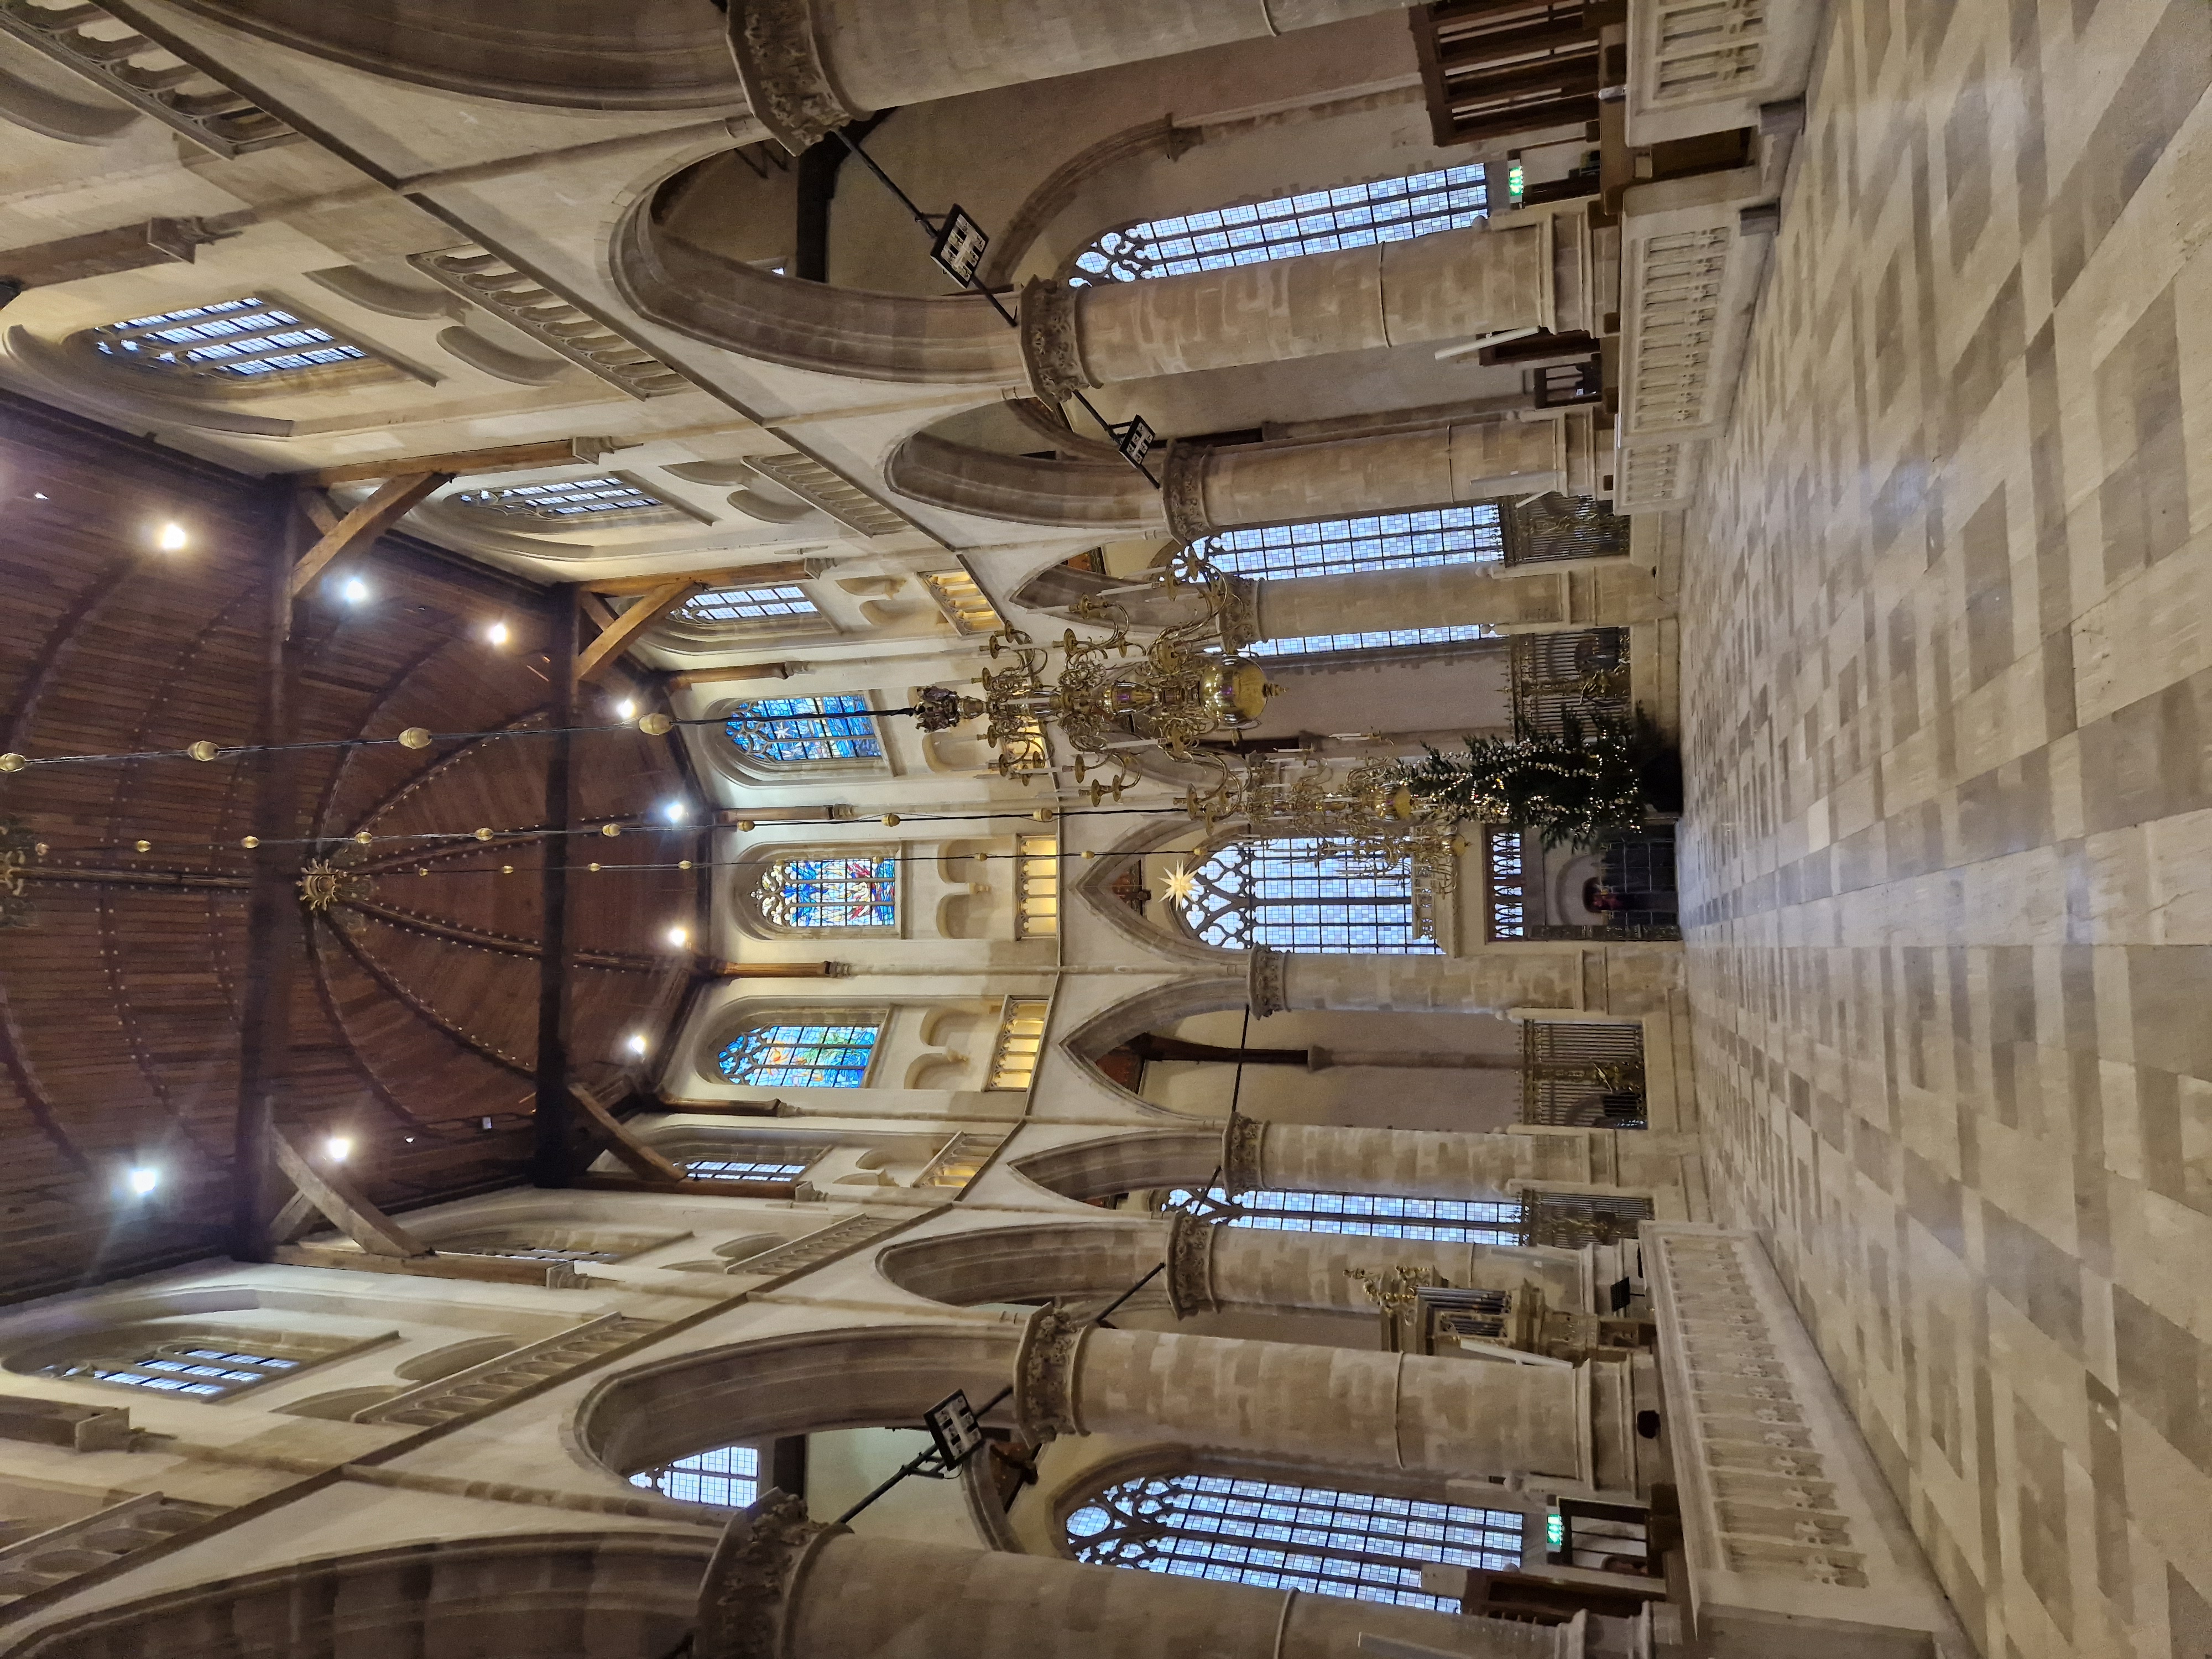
(1282, 1536)
(801, 1056)
(1330, 547)
(800, 730)
(244, 339)
(1285, 894)
(857, 893)
(1317, 222)
(1434, 1220)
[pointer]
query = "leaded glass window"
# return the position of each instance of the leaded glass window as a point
(792, 731)
(1287, 895)
(1373, 639)
(831, 892)
(1318, 221)
(201, 1370)
(1280, 1535)
(727, 1477)
(725, 606)
(247, 339)
(801, 1056)
(1387, 541)
(1368, 1215)
(580, 499)
(780, 1165)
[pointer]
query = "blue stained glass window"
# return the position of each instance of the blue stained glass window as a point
(1318, 221)
(858, 892)
(247, 339)
(1285, 894)
(801, 1056)
(1368, 1215)
(728, 1477)
(792, 731)
(1363, 1545)
(1387, 541)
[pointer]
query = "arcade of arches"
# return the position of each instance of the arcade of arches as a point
(565, 1099)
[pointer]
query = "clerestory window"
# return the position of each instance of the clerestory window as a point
(728, 1477)
(824, 1056)
(800, 731)
(201, 1370)
(579, 500)
(1279, 1535)
(780, 1166)
(736, 606)
(1390, 541)
(1317, 222)
(1286, 895)
(247, 339)
(842, 893)
(1367, 1215)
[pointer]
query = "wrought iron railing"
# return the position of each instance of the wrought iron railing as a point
(1583, 1073)
(1584, 673)
(1546, 529)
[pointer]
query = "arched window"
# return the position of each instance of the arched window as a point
(1332, 547)
(1436, 1220)
(1280, 1535)
(580, 501)
(777, 1165)
(801, 1056)
(756, 607)
(247, 339)
(728, 1476)
(795, 730)
(1320, 222)
(842, 893)
(1285, 895)
(200, 1370)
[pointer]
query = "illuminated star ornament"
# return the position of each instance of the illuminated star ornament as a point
(1182, 885)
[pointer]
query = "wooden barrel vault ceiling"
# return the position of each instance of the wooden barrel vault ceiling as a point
(414, 1005)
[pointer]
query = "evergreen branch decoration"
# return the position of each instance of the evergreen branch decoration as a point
(1598, 777)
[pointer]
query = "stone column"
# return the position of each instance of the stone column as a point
(1433, 596)
(810, 66)
(1298, 1403)
(1210, 1268)
(1322, 1157)
(783, 1585)
(1451, 285)
(1614, 979)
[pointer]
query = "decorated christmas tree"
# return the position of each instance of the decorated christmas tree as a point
(1596, 778)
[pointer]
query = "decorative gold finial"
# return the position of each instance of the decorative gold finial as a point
(483, 835)
(610, 829)
(251, 842)
(890, 818)
(507, 869)
(1044, 814)
(361, 837)
(656, 726)
(414, 737)
(12, 761)
(745, 824)
(684, 864)
(203, 750)
(145, 846)
(593, 868)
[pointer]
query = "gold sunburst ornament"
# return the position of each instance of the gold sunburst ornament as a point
(1182, 885)
(324, 884)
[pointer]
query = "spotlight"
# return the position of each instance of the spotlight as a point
(338, 1148)
(171, 539)
(675, 811)
(142, 1179)
(497, 633)
(626, 710)
(679, 939)
(354, 591)
(637, 1043)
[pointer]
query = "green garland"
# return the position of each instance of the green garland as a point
(1583, 786)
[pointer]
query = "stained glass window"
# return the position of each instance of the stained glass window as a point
(1279, 1536)
(727, 605)
(1318, 221)
(1285, 894)
(780, 1165)
(580, 499)
(247, 339)
(801, 1056)
(792, 731)
(1437, 1220)
(1388, 541)
(728, 1477)
(202, 1371)
(1373, 639)
(853, 892)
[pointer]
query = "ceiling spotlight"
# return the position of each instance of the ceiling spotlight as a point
(338, 1148)
(679, 939)
(141, 1180)
(675, 811)
(38, 495)
(354, 591)
(626, 709)
(497, 633)
(171, 537)
(637, 1043)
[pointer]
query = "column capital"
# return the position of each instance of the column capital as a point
(1190, 1266)
(752, 1583)
(1051, 346)
(780, 66)
(1241, 1144)
(1044, 1374)
(1268, 971)
(1183, 491)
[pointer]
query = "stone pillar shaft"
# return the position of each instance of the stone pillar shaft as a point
(1320, 1157)
(1213, 1266)
(1431, 596)
(827, 1594)
(1614, 979)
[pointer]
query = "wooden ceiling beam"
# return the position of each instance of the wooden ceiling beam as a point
(384, 509)
(648, 1164)
(345, 1205)
(597, 657)
(468, 463)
